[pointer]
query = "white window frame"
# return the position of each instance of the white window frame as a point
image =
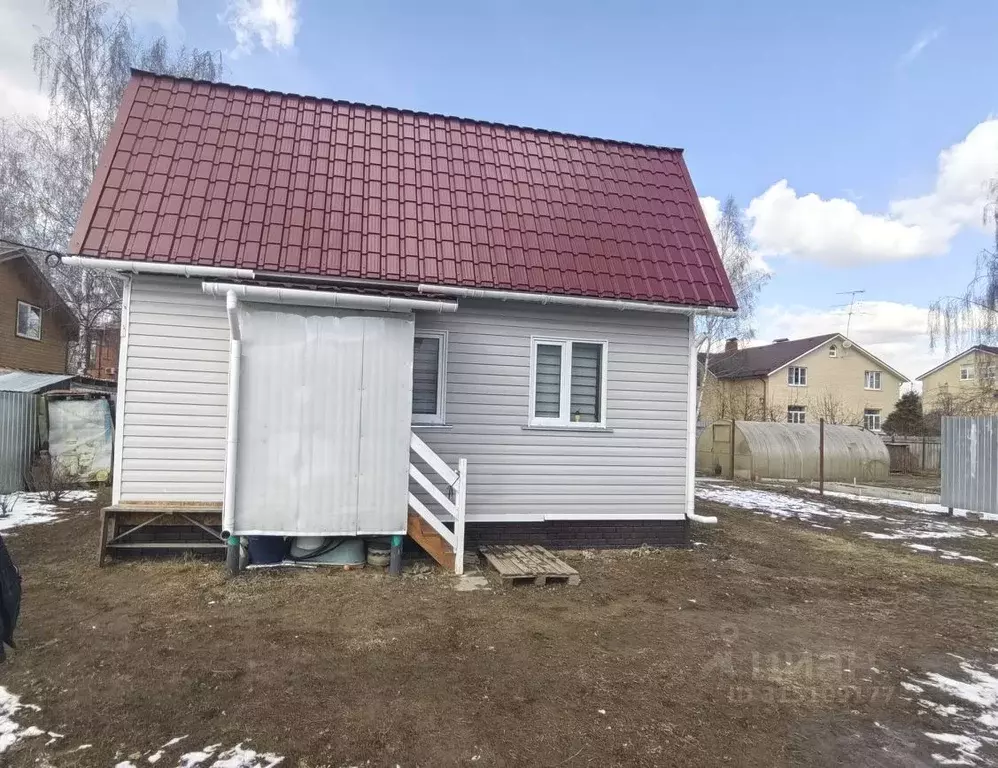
(565, 397)
(797, 409)
(868, 376)
(440, 417)
(17, 318)
(967, 372)
(870, 414)
(802, 380)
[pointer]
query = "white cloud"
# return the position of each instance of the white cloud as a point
(272, 24)
(896, 333)
(165, 13)
(918, 46)
(837, 231)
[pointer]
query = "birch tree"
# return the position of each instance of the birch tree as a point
(48, 162)
(747, 277)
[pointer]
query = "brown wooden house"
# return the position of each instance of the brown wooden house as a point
(36, 325)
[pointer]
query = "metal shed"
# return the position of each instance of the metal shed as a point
(772, 449)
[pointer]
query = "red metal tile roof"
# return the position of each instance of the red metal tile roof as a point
(220, 175)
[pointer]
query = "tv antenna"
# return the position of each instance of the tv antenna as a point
(852, 305)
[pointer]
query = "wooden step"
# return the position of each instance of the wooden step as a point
(423, 534)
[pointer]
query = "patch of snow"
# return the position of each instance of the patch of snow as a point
(925, 509)
(777, 504)
(976, 715)
(11, 731)
(237, 757)
(31, 508)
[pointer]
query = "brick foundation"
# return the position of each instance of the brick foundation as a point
(582, 534)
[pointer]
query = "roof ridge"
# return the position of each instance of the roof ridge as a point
(414, 112)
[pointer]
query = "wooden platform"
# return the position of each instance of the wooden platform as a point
(533, 563)
(206, 518)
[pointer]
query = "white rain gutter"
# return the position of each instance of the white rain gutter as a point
(691, 433)
(272, 295)
(578, 301)
(157, 268)
(232, 415)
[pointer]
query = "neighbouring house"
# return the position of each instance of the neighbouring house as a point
(36, 326)
(964, 385)
(342, 319)
(102, 355)
(799, 381)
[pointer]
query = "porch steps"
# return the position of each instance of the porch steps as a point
(432, 542)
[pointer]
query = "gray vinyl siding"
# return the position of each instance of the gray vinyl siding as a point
(176, 385)
(175, 392)
(636, 466)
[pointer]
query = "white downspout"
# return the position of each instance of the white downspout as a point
(691, 436)
(232, 416)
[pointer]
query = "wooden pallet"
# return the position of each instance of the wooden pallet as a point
(518, 564)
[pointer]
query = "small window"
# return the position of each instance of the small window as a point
(873, 380)
(29, 321)
(797, 376)
(429, 367)
(568, 383)
(871, 419)
(966, 372)
(796, 414)
(833, 351)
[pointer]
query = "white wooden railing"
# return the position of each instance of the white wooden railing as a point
(456, 480)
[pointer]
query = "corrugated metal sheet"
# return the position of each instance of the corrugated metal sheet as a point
(970, 463)
(774, 449)
(23, 381)
(18, 438)
(324, 422)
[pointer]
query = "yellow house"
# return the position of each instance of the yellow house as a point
(964, 385)
(799, 381)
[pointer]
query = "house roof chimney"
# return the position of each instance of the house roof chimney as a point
(731, 345)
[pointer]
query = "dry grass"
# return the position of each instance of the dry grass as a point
(750, 650)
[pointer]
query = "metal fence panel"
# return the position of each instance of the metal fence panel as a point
(18, 438)
(969, 458)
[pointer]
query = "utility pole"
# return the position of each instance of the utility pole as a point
(852, 305)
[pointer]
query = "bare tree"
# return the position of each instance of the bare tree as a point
(833, 409)
(747, 279)
(83, 67)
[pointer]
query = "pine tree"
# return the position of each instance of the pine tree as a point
(906, 418)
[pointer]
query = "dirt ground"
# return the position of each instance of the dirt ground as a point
(771, 642)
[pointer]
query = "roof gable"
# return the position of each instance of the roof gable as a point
(766, 360)
(17, 258)
(219, 175)
(977, 348)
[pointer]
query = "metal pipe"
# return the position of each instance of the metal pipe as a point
(578, 301)
(232, 417)
(273, 295)
(158, 268)
(821, 457)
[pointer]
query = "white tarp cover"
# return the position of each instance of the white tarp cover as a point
(81, 438)
(324, 422)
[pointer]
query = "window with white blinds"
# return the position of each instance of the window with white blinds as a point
(428, 371)
(568, 383)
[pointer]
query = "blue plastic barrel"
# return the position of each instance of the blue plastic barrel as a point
(267, 549)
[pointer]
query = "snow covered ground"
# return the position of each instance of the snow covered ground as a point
(31, 508)
(928, 509)
(970, 704)
(928, 524)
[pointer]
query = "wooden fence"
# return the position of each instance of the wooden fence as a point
(914, 453)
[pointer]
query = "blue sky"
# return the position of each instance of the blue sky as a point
(852, 109)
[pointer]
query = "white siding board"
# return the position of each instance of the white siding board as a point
(636, 466)
(173, 446)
